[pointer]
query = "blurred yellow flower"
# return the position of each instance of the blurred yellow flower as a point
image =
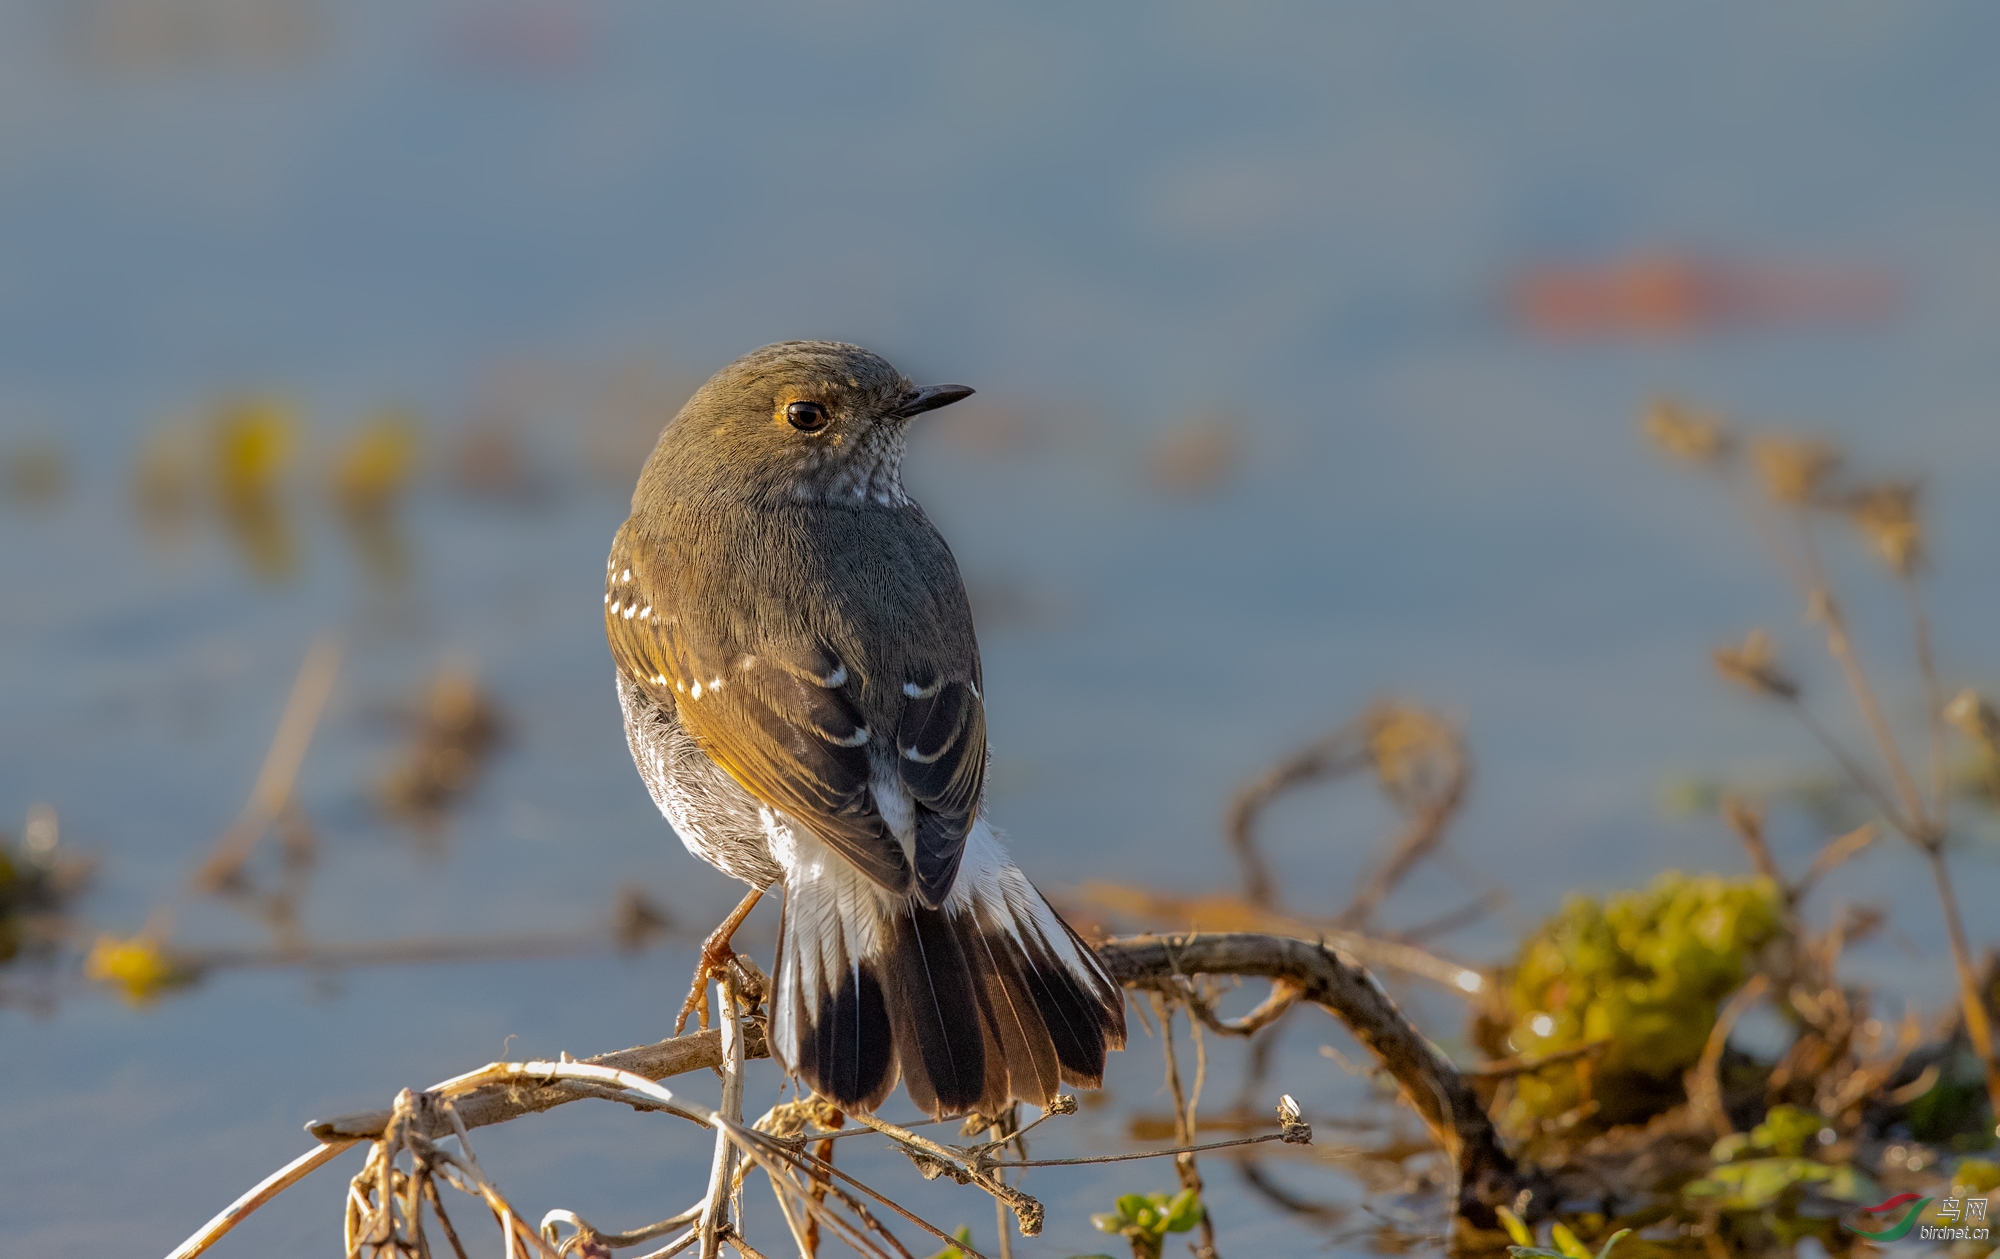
(254, 437)
(139, 966)
(374, 465)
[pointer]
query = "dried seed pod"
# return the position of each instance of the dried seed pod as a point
(1754, 666)
(1792, 468)
(1683, 432)
(1886, 515)
(1415, 752)
(1975, 718)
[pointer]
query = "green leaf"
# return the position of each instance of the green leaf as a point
(1848, 1184)
(1787, 1130)
(1520, 1232)
(1571, 1247)
(1730, 1148)
(962, 1235)
(1183, 1212)
(1757, 1183)
(1566, 1241)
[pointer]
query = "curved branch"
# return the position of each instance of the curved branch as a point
(500, 1102)
(1429, 1083)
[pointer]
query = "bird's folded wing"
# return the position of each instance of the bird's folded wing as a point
(779, 716)
(941, 758)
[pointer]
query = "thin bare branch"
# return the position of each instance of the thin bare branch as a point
(932, 1158)
(1507, 1068)
(1747, 820)
(1453, 919)
(1282, 997)
(1835, 854)
(1173, 1152)
(1972, 1004)
(1823, 607)
(1862, 781)
(1425, 771)
(500, 1102)
(837, 1174)
(281, 766)
(1934, 702)
(1185, 1168)
(1232, 914)
(263, 1191)
(1705, 1082)
(714, 1213)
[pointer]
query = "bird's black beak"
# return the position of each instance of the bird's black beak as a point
(932, 398)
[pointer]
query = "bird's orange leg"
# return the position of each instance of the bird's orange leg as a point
(715, 958)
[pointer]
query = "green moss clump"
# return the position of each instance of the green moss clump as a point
(1642, 972)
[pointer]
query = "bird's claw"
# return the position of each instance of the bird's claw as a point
(716, 956)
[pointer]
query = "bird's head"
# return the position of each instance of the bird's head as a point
(798, 421)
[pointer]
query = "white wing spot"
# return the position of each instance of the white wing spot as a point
(630, 608)
(855, 740)
(914, 691)
(626, 575)
(696, 692)
(607, 597)
(837, 678)
(646, 613)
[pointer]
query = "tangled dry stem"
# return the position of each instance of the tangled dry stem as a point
(810, 1189)
(1794, 475)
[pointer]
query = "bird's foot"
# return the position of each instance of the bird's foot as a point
(716, 957)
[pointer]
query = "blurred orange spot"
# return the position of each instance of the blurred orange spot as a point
(1669, 295)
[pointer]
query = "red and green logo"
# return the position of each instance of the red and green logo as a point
(1900, 1227)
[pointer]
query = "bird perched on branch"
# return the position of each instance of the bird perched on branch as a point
(802, 696)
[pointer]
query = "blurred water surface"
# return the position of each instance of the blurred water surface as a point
(1259, 437)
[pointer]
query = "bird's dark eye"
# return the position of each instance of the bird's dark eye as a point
(807, 417)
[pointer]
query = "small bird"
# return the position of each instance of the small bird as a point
(802, 695)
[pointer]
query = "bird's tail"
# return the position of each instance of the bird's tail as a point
(988, 1000)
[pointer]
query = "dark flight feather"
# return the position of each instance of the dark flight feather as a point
(941, 758)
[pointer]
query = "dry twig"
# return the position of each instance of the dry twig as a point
(287, 753)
